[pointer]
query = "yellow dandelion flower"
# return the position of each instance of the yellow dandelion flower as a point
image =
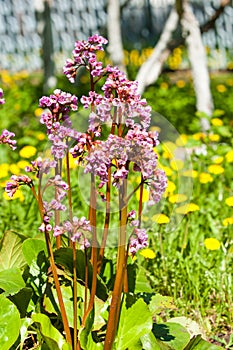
(177, 198)
(187, 208)
(14, 169)
(228, 221)
(215, 169)
(229, 157)
(221, 88)
(177, 164)
(199, 136)
(27, 151)
(164, 86)
(22, 164)
(40, 136)
(180, 84)
(38, 112)
(160, 219)
(182, 140)
(4, 168)
(204, 178)
(212, 243)
(229, 201)
(218, 160)
(190, 173)
(145, 195)
(216, 122)
(147, 253)
(214, 137)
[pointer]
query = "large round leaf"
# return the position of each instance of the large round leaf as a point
(9, 323)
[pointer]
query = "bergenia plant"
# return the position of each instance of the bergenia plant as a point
(116, 148)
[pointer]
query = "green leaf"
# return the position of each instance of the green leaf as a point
(197, 343)
(11, 254)
(11, 281)
(149, 342)
(64, 257)
(52, 337)
(142, 283)
(134, 323)
(9, 323)
(172, 335)
(84, 333)
(22, 299)
(31, 248)
(50, 302)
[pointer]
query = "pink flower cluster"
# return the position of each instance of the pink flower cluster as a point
(77, 228)
(6, 136)
(16, 181)
(84, 55)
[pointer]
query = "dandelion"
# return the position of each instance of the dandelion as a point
(214, 137)
(229, 201)
(164, 86)
(180, 84)
(228, 221)
(215, 169)
(204, 178)
(187, 208)
(27, 151)
(177, 198)
(199, 136)
(160, 219)
(147, 253)
(212, 244)
(216, 122)
(229, 156)
(221, 88)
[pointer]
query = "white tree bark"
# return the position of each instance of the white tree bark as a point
(115, 46)
(151, 69)
(198, 61)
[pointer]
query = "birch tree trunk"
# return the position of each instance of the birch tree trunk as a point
(115, 46)
(151, 69)
(198, 61)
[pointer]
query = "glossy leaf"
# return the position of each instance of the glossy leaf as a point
(31, 248)
(11, 254)
(85, 332)
(134, 323)
(11, 281)
(52, 337)
(171, 335)
(9, 323)
(142, 283)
